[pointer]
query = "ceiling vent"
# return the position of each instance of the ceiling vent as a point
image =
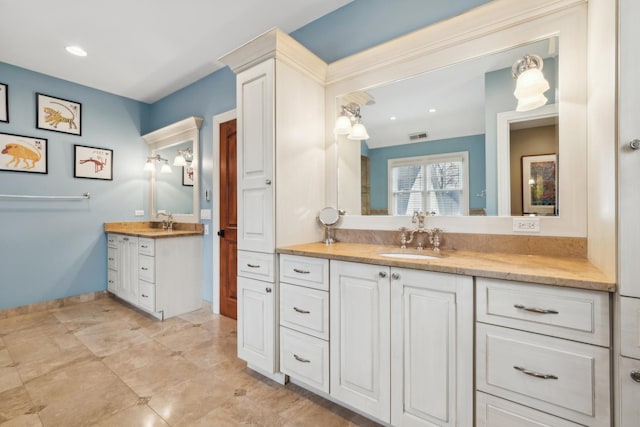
(418, 136)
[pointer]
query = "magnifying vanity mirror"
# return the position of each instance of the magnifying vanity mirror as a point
(328, 217)
(174, 182)
(445, 136)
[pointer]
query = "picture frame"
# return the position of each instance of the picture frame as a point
(4, 103)
(187, 176)
(540, 184)
(92, 162)
(20, 153)
(58, 115)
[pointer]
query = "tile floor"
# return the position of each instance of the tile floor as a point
(103, 363)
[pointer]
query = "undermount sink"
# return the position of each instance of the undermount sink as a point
(408, 256)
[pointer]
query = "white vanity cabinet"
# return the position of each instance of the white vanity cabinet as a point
(161, 276)
(402, 344)
(545, 348)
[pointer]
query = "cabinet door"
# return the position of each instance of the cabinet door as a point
(431, 348)
(629, 392)
(256, 323)
(255, 99)
(359, 336)
(628, 160)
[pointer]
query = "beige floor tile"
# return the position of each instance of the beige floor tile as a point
(9, 378)
(5, 358)
(165, 372)
(148, 355)
(14, 403)
(137, 415)
(215, 352)
(26, 321)
(239, 411)
(111, 337)
(185, 339)
(199, 316)
(28, 420)
(152, 328)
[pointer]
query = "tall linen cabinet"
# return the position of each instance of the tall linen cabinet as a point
(281, 181)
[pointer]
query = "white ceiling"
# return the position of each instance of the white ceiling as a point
(141, 49)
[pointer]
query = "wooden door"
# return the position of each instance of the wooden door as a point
(360, 340)
(228, 220)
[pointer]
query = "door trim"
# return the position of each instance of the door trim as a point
(215, 210)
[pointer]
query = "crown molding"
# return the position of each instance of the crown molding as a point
(173, 131)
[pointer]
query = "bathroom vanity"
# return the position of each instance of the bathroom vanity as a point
(156, 270)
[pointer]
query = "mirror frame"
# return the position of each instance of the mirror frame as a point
(176, 133)
(499, 25)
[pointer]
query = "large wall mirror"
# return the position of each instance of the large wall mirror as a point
(444, 133)
(173, 176)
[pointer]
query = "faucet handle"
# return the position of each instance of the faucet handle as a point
(434, 238)
(403, 237)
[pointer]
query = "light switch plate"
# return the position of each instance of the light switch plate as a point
(527, 225)
(205, 213)
(206, 229)
(139, 212)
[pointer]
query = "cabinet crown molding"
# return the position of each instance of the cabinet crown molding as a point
(277, 44)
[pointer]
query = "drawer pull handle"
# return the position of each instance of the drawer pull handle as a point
(535, 310)
(382, 274)
(300, 359)
(145, 296)
(126, 239)
(111, 259)
(268, 290)
(535, 374)
(297, 270)
(253, 265)
(635, 375)
(145, 268)
(299, 310)
(144, 246)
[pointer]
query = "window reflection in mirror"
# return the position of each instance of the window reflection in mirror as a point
(174, 191)
(439, 113)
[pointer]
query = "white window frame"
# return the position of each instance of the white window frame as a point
(426, 160)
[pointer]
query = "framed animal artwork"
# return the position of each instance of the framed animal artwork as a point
(4, 103)
(58, 115)
(187, 176)
(19, 153)
(92, 162)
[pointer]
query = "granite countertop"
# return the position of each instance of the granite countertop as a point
(154, 229)
(557, 271)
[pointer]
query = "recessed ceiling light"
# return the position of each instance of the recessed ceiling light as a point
(392, 118)
(76, 50)
(432, 110)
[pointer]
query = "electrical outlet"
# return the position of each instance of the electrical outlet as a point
(524, 224)
(139, 212)
(205, 213)
(206, 229)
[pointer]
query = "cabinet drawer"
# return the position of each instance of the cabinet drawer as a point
(629, 392)
(492, 411)
(305, 358)
(630, 327)
(256, 265)
(567, 313)
(305, 271)
(146, 268)
(112, 240)
(146, 246)
(147, 295)
(113, 281)
(510, 364)
(305, 310)
(112, 258)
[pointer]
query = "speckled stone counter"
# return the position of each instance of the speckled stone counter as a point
(557, 271)
(153, 230)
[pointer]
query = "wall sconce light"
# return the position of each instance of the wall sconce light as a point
(349, 123)
(150, 164)
(183, 157)
(531, 83)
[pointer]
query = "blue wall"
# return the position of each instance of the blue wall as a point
(378, 158)
(55, 249)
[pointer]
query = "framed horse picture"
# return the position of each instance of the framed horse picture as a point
(92, 162)
(58, 115)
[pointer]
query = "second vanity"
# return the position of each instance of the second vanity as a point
(396, 338)
(156, 270)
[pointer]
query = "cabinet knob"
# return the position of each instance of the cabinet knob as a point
(267, 181)
(634, 144)
(268, 290)
(395, 276)
(635, 375)
(382, 274)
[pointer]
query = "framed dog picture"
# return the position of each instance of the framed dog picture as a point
(19, 153)
(4, 103)
(92, 162)
(58, 115)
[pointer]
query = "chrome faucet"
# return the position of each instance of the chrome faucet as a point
(420, 219)
(167, 224)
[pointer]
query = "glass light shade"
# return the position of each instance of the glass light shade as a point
(531, 103)
(358, 133)
(179, 160)
(531, 83)
(165, 168)
(149, 166)
(343, 125)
